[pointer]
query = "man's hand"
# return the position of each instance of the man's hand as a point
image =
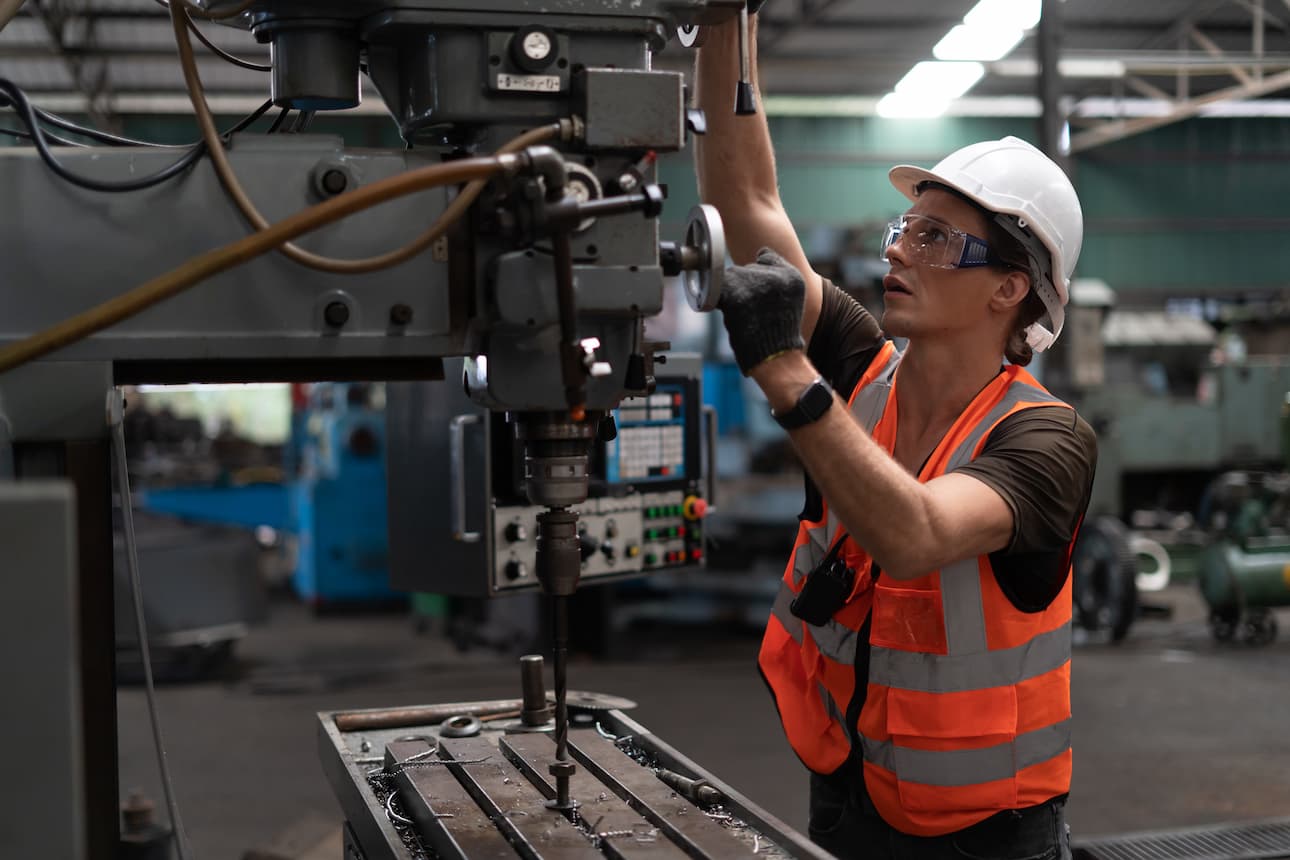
(761, 305)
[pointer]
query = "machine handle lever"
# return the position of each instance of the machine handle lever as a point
(457, 472)
(710, 430)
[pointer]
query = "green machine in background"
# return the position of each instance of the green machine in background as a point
(1245, 572)
(1191, 465)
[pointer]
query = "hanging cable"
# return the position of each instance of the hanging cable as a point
(213, 262)
(218, 51)
(52, 138)
(8, 9)
(219, 159)
(17, 99)
(115, 414)
(277, 123)
(198, 12)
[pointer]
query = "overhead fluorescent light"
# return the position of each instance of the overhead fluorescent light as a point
(966, 42)
(939, 81)
(1005, 14)
(1067, 67)
(904, 106)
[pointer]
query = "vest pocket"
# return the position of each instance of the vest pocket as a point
(954, 751)
(908, 619)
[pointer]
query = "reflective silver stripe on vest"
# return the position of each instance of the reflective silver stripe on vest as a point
(868, 407)
(961, 581)
(970, 767)
(933, 673)
(830, 706)
(781, 610)
(834, 639)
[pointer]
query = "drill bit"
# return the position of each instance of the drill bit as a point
(561, 768)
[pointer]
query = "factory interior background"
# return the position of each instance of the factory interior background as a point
(270, 516)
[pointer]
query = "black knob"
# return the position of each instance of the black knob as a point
(516, 569)
(587, 545)
(534, 48)
(608, 549)
(515, 532)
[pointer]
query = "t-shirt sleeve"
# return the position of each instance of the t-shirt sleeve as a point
(845, 340)
(1041, 462)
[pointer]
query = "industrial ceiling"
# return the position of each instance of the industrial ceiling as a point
(1166, 58)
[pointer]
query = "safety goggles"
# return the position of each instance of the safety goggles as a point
(935, 243)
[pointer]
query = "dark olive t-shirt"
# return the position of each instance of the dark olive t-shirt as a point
(1040, 460)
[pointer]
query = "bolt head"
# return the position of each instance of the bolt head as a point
(401, 314)
(562, 769)
(336, 314)
(334, 181)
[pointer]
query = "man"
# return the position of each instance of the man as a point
(919, 653)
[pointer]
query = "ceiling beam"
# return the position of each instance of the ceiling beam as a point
(1114, 130)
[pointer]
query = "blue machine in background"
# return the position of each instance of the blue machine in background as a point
(337, 499)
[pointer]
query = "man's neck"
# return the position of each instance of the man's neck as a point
(937, 381)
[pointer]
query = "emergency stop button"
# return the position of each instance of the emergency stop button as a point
(694, 508)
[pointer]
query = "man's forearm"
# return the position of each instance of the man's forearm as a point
(884, 508)
(735, 160)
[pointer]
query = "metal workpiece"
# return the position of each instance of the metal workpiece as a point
(413, 793)
(535, 712)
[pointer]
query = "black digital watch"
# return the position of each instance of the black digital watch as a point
(811, 406)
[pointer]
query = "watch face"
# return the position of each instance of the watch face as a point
(816, 400)
(812, 403)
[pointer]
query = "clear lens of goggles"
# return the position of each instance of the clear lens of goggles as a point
(933, 242)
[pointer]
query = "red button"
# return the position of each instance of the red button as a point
(696, 554)
(680, 531)
(676, 400)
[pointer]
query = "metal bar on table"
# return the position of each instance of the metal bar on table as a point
(447, 817)
(393, 718)
(517, 807)
(696, 834)
(623, 834)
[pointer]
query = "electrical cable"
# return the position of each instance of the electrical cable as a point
(115, 411)
(218, 51)
(303, 121)
(95, 134)
(277, 123)
(198, 12)
(8, 9)
(17, 99)
(243, 202)
(26, 135)
(249, 247)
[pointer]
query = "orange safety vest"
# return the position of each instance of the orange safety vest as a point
(967, 712)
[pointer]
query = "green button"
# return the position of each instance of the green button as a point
(676, 510)
(651, 558)
(672, 532)
(651, 513)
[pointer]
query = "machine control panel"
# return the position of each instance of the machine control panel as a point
(644, 511)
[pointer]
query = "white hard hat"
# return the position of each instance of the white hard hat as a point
(1011, 177)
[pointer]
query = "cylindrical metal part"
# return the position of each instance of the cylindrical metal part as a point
(555, 457)
(559, 552)
(315, 66)
(536, 712)
(399, 717)
(1232, 575)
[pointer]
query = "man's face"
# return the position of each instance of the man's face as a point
(922, 300)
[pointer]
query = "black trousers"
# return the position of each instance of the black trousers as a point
(844, 822)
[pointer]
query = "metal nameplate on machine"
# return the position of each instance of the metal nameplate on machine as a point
(462, 524)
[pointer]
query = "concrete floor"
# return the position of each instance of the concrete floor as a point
(1171, 730)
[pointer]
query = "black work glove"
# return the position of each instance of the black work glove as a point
(761, 305)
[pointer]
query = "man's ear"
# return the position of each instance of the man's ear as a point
(1011, 292)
